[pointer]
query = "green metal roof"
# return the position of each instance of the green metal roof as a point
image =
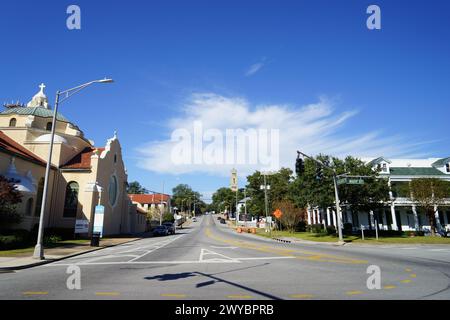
(441, 163)
(416, 172)
(34, 111)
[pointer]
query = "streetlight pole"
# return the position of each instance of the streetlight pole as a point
(39, 248)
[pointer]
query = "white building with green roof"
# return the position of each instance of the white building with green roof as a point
(401, 213)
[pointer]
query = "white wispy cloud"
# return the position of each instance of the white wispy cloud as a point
(314, 128)
(254, 68)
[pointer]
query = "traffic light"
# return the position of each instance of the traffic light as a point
(300, 166)
(319, 173)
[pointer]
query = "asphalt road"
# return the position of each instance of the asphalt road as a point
(209, 261)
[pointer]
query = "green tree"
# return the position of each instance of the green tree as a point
(224, 198)
(370, 196)
(279, 190)
(136, 188)
(292, 215)
(315, 187)
(429, 194)
(183, 197)
(9, 198)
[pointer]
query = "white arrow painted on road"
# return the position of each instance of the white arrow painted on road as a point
(218, 257)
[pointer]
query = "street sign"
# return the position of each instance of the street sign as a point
(98, 219)
(350, 181)
(278, 214)
(81, 226)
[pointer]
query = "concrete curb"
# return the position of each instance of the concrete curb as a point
(43, 262)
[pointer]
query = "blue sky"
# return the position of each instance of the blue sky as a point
(394, 82)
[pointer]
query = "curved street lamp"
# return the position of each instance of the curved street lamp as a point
(39, 248)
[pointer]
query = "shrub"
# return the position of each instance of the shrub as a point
(15, 239)
(331, 230)
(315, 228)
(167, 217)
(301, 226)
(348, 228)
(52, 240)
(62, 233)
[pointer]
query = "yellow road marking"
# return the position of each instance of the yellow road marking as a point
(413, 275)
(236, 296)
(408, 270)
(354, 293)
(111, 294)
(301, 296)
(173, 295)
(406, 281)
(389, 287)
(37, 293)
(306, 255)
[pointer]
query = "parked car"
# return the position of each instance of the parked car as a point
(222, 221)
(170, 226)
(161, 231)
(194, 219)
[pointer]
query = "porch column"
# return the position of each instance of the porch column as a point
(314, 216)
(438, 220)
(416, 217)
(324, 221)
(328, 217)
(308, 210)
(349, 216)
(394, 218)
(334, 219)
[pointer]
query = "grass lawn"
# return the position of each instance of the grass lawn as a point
(29, 250)
(323, 237)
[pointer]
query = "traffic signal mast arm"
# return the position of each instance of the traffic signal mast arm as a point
(336, 192)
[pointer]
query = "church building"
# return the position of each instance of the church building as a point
(82, 175)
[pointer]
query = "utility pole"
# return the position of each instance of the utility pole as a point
(245, 206)
(266, 187)
(161, 206)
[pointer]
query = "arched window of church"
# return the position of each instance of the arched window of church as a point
(71, 200)
(40, 193)
(13, 122)
(113, 190)
(29, 208)
(49, 126)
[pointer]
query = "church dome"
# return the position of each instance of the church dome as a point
(47, 138)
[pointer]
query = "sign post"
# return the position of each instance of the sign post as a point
(98, 220)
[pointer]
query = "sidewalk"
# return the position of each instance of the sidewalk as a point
(24, 261)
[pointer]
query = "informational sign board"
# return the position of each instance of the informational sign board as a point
(81, 226)
(98, 219)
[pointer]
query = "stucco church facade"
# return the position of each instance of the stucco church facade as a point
(82, 175)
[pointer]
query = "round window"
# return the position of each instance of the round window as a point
(113, 190)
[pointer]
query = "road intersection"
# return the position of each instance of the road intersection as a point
(210, 261)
